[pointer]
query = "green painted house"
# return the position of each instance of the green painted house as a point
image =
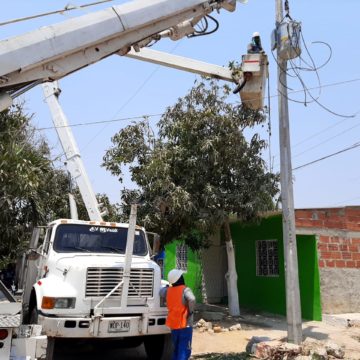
(260, 266)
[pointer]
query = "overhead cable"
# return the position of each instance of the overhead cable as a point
(354, 146)
(65, 9)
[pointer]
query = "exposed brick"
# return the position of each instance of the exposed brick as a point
(323, 247)
(324, 239)
(337, 212)
(353, 227)
(330, 263)
(356, 256)
(344, 247)
(322, 263)
(340, 263)
(332, 224)
(320, 215)
(351, 264)
(345, 241)
(336, 255)
(358, 264)
(354, 248)
(346, 255)
(334, 239)
(331, 255)
(306, 223)
(333, 247)
(303, 214)
(353, 211)
(355, 241)
(328, 255)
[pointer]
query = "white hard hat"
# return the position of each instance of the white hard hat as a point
(174, 275)
(256, 34)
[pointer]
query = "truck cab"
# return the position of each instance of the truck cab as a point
(75, 282)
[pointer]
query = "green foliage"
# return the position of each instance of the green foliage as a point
(198, 170)
(31, 190)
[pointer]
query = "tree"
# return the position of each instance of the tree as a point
(32, 191)
(198, 171)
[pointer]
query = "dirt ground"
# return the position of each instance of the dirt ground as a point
(233, 343)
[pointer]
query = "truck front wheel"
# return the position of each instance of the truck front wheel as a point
(34, 316)
(158, 347)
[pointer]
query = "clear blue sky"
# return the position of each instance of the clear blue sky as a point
(120, 87)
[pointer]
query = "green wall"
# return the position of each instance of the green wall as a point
(268, 293)
(192, 276)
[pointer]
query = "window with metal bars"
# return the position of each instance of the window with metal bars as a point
(181, 257)
(267, 259)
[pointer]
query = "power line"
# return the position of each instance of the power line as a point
(346, 201)
(160, 114)
(137, 91)
(67, 8)
(320, 133)
(99, 122)
(327, 140)
(328, 156)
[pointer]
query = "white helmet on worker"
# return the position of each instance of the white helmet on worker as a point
(174, 275)
(255, 34)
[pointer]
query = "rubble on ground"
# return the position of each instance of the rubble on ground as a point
(310, 349)
(353, 323)
(211, 327)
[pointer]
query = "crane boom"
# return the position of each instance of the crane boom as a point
(74, 161)
(55, 51)
(182, 63)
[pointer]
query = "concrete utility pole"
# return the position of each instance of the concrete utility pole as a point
(293, 308)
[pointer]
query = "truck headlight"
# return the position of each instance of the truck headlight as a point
(57, 303)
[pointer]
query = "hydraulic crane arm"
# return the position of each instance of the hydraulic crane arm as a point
(182, 63)
(74, 161)
(55, 51)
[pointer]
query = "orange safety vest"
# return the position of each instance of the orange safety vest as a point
(178, 312)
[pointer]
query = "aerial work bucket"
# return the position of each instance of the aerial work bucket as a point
(255, 70)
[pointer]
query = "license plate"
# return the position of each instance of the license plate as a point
(119, 326)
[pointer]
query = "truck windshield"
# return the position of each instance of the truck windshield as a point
(96, 239)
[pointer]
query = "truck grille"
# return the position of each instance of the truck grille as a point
(100, 281)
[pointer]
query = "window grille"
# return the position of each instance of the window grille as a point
(267, 259)
(181, 257)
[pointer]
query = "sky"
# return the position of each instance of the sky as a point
(118, 88)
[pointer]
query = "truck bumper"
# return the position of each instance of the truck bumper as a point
(103, 327)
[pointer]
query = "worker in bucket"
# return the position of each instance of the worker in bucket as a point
(180, 302)
(255, 46)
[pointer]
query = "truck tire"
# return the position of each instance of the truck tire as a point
(33, 316)
(50, 348)
(158, 347)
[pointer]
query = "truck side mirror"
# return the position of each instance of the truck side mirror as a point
(32, 254)
(37, 233)
(154, 241)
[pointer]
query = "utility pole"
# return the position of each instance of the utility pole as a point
(293, 308)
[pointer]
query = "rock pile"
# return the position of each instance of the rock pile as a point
(309, 350)
(208, 326)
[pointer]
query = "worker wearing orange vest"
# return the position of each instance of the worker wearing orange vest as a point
(180, 302)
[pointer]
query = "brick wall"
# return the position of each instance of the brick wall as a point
(340, 252)
(338, 234)
(338, 231)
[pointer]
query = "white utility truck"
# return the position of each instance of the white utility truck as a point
(94, 279)
(78, 284)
